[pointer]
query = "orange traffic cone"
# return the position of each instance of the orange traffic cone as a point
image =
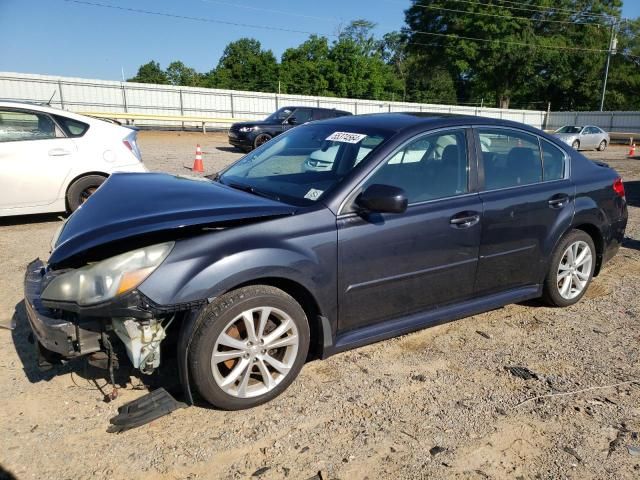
(197, 163)
(632, 150)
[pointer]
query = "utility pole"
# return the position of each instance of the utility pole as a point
(613, 42)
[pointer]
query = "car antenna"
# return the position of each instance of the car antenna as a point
(52, 95)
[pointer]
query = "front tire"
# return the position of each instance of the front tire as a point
(261, 139)
(602, 146)
(571, 270)
(575, 145)
(80, 190)
(250, 345)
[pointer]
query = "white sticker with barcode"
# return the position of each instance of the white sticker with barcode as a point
(313, 194)
(346, 137)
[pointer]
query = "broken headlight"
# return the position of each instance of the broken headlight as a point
(104, 280)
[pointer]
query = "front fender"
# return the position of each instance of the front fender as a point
(299, 248)
(303, 268)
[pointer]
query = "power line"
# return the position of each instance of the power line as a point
(264, 27)
(197, 19)
(280, 12)
(507, 42)
(534, 8)
(486, 14)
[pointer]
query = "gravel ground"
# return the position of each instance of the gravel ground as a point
(436, 403)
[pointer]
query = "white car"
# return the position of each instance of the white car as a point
(51, 160)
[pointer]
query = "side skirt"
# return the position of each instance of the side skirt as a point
(401, 326)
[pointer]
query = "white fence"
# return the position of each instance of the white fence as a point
(87, 95)
(625, 122)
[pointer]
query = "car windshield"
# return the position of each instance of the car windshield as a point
(279, 115)
(302, 165)
(569, 129)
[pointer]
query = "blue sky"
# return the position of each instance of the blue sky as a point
(64, 38)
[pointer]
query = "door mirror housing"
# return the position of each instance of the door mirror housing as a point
(292, 120)
(382, 199)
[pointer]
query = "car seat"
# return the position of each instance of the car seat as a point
(523, 166)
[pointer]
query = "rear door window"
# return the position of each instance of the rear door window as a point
(510, 158)
(302, 115)
(18, 125)
(322, 114)
(73, 128)
(553, 161)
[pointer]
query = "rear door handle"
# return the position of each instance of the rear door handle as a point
(558, 201)
(464, 219)
(58, 152)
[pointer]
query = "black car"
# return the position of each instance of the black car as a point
(250, 135)
(270, 264)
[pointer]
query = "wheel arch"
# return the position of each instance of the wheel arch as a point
(318, 323)
(321, 332)
(598, 240)
(78, 177)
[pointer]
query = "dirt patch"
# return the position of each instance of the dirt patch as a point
(438, 403)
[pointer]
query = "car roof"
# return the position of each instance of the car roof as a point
(39, 107)
(293, 107)
(397, 122)
(42, 107)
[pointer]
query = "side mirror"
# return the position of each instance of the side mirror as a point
(292, 121)
(383, 199)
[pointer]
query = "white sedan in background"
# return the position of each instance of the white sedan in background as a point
(52, 160)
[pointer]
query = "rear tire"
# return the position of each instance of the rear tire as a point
(571, 270)
(575, 145)
(250, 345)
(602, 146)
(80, 190)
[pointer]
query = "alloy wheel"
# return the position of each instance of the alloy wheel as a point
(255, 352)
(574, 270)
(262, 139)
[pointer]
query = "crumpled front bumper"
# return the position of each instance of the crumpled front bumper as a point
(53, 331)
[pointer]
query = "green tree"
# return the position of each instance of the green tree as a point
(179, 74)
(393, 49)
(150, 73)
(501, 52)
(306, 69)
(360, 32)
(245, 66)
(623, 87)
(360, 71)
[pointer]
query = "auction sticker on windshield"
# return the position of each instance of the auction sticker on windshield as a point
(346, 137)
(313, 194)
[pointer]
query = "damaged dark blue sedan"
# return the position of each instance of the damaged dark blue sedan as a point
(333, 235)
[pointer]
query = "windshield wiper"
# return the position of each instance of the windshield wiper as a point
(253, 190)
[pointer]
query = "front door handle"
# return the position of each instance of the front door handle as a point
(558, 201)
(58, 152)
(464, 219)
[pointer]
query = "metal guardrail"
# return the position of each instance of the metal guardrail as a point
(79, 94)
(167, 118)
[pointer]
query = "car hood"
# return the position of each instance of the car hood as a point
(566, 136)
(134, 205)
(256, 123)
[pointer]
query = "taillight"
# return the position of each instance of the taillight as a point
(130, 143)
(618, 187)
